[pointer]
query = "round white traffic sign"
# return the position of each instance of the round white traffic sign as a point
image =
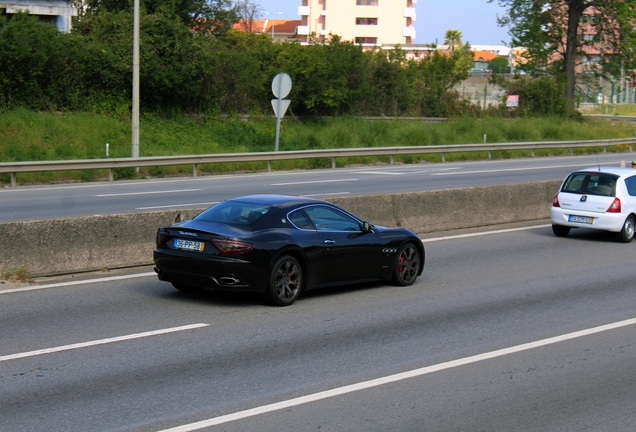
(281, 85)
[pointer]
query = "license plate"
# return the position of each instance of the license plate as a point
(189, 245)
(581, 219)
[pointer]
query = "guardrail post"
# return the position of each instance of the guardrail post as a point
(110, 175)
(443, 157)
(391, 159)
(605, 149)
(269, 166)
(333, 163)
(489, 154)
(532, 152)
(14, 180)
(194, 170)
(571, 151)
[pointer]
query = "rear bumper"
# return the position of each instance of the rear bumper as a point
(601, 221)
(216, 273)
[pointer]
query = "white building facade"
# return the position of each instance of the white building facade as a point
(368, 22)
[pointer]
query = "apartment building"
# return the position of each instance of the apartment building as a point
(368, 22)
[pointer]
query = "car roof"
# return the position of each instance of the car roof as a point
(623, 172)
(277, 200)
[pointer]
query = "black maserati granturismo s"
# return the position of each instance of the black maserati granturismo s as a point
(282, 245)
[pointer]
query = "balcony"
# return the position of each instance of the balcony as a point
(304, 10)
(410, 13)
(302, 30)
(409, 31)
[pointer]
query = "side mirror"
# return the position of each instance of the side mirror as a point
(366, 227)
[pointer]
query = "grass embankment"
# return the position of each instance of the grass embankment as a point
(32, 136)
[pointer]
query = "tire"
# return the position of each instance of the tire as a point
(626, 234)
(560, 230)
(407, 265)
(285, 281)
(188, 288)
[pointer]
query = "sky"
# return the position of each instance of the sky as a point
(476, 19)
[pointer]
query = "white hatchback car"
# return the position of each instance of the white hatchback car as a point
(603, 199)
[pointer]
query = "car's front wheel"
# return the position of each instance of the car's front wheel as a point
(626, 234)
(407, 265)
(560, 230)
(285, 282)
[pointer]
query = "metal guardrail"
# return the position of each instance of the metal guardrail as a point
(14, 168)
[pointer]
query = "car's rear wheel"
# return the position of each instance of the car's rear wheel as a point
(285, 282)
(407, 265)
(560, 230)
(627, 233)
(188, 288)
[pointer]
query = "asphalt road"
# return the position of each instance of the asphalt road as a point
(55, 201)
(504, 331)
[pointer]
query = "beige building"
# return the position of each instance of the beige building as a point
(368, 22)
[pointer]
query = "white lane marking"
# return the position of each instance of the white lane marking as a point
(513, 169)
(501, 231)
(101, 342)
(317, 181)
(148, 193)
(383, 172)
(176, 205)
(327, 194)
(394, 378)
(79, 282)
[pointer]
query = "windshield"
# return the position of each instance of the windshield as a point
(235, 212)
(591, 184)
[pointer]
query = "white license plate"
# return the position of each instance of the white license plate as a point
(581, 219)
(189, 245)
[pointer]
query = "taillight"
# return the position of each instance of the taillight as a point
(615, 207)
(555, 201)
(231, 247)
(162, 236)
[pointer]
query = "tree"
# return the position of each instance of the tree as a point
(453, 38)
(555, 33)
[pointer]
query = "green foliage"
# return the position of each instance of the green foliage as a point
(499, 65)
(209, 72)
(550, 34)
(29, 62)
(543, 96)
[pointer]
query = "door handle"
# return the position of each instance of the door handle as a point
(328, 241)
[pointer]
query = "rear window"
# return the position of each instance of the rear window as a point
(235, 212)
(591, 184)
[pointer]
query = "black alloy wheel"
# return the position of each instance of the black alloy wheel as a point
(286, 281)
(407, 265)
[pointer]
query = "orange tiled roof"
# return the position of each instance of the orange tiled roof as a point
(484, 55)
(265, 26)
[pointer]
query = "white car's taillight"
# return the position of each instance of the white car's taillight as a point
(555, 201)
(615, 207)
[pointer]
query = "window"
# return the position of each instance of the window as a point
(366, 21)
(300, 219)
(235, 212)
(366, 40)
(329, 219)
(591, 184)
(367, 2)
(631, 185)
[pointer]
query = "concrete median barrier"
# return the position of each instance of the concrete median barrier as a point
(78, 244)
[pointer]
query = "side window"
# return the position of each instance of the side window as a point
(330, 219)
(300, 219)
(631, 185)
